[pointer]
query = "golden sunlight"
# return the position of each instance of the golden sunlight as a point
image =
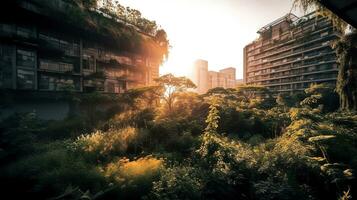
(212, 30)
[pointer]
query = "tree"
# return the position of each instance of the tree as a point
(337, 22)
(321, 94)
(144, 97)
(173, 85)
(133, 15)
(109, 8)
(161, 39)
(185, 104)
(121, 12)
(88, 4)
(253, 91)
(346, 87)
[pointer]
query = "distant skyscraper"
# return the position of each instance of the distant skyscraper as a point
(206, 80)
(213, 79)
(200, 76)
(228, 77)
(225, 78)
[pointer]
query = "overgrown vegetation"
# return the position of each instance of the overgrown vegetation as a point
(240, 143)
(111, 23)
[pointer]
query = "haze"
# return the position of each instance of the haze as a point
(214, 30)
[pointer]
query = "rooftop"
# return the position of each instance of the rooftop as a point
(288, 17)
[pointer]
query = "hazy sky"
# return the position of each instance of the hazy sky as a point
(214, 30)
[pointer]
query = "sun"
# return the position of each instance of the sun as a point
(178, 65)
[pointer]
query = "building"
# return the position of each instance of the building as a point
(206, 80)
(200, 76)
(43, 53)
(47, 47)
(291, 53)
(225, 78)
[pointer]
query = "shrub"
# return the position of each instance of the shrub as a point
(107, 144)
(177, 182)
(141, 118)
(134, 178)
(47, 173)
(18, 133)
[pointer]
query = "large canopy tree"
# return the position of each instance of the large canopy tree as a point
(346, 87)
(173, 85)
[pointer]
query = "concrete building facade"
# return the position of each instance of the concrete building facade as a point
(200, 76)
(206, 80)
(46, 51)
(225, 78)
(291, 53)
(35, 55)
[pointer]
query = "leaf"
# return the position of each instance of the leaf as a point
(321, 138)
(329, 166)
(319, 159)
(348, 173)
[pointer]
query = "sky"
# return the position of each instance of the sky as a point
(213, 30)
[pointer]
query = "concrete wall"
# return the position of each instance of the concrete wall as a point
(200, 76)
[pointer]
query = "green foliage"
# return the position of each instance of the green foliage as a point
(307, 5)
(227, 144)
(172, 86)
(37, 173)
(18, 134)
(115, 25)
(347, 74)
(107, 144)
(320, 94)
(135, 178)
(213, 116)
(177, 183)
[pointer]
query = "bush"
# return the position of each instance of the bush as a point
(18, 135)
(47, 173)
(177, 183)
(107, 144)
(134, 178)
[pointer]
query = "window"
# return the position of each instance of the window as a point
(25, 79)
(88, 62)
(51, 40)
(6, 66)
(6, 28)
(25, 58)
(55, 66)
(58, 83)
(111, 87)
(25, 32)
(47, 83)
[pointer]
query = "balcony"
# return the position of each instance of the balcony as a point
(11, 33)
(58, 67)
(51, 45)
(305, 80)
(304, 72)
(265, 52)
